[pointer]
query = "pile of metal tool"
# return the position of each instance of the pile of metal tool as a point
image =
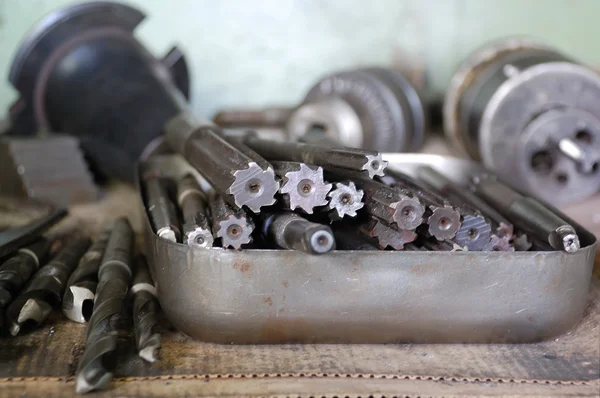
(258, 193)
(93, 283)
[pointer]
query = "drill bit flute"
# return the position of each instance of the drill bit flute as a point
(145, 308)
(17, 270)
(114, 278)
(231, 225)
(46, 288)
(78, 300)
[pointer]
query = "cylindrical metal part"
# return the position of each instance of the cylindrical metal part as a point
(443, 221)
(344, 200)
(392, 205)
(145, 309)
(302, 186)
(81, 71)
(194, 206)
(162, 210)
(475, 230)
(385, 234)
(370, 163)
(235, 175)
(17, 270)
(95, 368)
(531, 115)
(371, 108)
(46, 288)
(233, 226)
(78, 301)
(269, 117)
(288, 230)
(528, 214)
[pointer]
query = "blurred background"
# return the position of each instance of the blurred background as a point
(266, 52)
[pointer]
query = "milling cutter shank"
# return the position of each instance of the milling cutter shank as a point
(194, 206)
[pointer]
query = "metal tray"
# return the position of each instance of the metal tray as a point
(269, 296)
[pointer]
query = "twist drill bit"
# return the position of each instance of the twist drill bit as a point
(232, 172)
(17, 270)
(528, 214)
(192, 200)
(231, 225)
(161, 209)
(344, 199)
(392, 205)
(94, 370)
(386, 235)
(476, 213)
(145, 309)
(302, 185)
(78, 301)
(290, 231)
(367, 163)
(46, 288)
(443, 221)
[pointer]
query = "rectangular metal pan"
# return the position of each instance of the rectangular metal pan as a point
(276, 296)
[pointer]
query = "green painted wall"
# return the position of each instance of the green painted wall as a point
(268, 51)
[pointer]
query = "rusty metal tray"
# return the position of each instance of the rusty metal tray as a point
(269, 296)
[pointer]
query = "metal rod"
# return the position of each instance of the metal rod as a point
(46, 288)
(95, 369)
(232, 173)
(194, 206)
(369, 163)
(527, 214)
(302, 186)
(231, 225)
(290, 231)
(162, 210)
(145, 309)
(78, 300)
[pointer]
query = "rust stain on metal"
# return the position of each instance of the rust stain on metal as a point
(243, 266)
(269, 301)
(285, 283)
(281, 330)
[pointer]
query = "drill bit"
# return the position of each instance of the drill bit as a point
(161, 209)
(443, 221)
(302, 186)
(367, 163)
(344, 199)
(46, 288)
(231, 225)
(94, 370)
(392, 205)
(473, 210)
(290, 231)
(192, 200)
(78, 300)
(17, 270)
(386, 235)
(230, 168)
(528, 214)
(145, 308)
